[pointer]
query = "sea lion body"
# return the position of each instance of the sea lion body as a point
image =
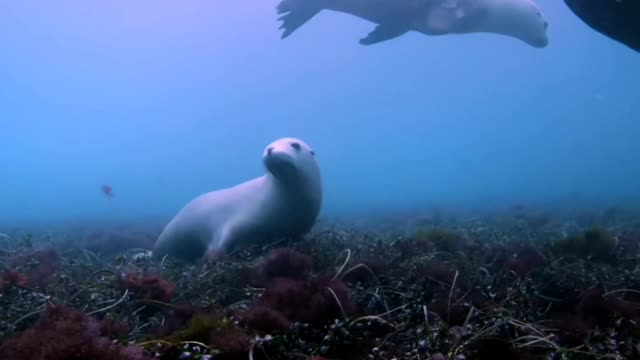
(619, 20)
(284, 202)
(521, 19)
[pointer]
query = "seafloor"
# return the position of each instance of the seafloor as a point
(517, 284)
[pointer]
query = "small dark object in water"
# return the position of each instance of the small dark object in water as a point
(616, 19)
(107, 190)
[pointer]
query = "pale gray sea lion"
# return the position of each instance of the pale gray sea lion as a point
(285, 201)
(521, 19)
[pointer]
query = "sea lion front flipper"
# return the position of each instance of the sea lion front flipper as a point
(383, 32)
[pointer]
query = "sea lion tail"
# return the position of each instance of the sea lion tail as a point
(296, 13)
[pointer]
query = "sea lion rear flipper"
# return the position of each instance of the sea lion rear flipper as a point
(296, 13)
(383, 32)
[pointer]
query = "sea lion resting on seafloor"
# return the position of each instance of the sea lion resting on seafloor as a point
(521, 19)
(283, 202)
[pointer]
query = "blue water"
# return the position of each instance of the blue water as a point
(165, 100)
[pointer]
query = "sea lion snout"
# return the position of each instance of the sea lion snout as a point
(279, 163)
(540, 42)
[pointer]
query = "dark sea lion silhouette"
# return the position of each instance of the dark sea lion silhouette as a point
(617, 19)
(520, 19)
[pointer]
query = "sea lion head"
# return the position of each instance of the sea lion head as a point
(520, 19)
(291, 159)
(525, 20)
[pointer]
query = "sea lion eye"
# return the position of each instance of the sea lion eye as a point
(296, 146)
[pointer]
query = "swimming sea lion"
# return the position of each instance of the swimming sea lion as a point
(283, 202)
(619, 20)
(521, 19)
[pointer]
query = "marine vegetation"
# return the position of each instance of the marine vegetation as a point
(500, 286)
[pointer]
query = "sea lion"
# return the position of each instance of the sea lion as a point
(619, 20)
(521, 19)
(285, 201)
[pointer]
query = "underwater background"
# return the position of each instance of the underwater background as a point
(480, 195)
(165, 100)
